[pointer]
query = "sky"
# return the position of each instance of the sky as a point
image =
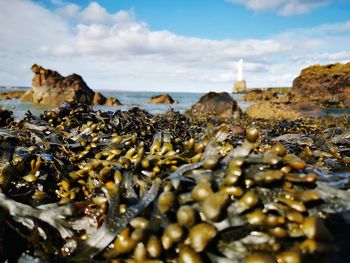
(171, 45)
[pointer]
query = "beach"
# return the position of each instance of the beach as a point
(205, 176)
(174, 131)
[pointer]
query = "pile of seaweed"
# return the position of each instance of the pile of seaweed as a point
(79, 185)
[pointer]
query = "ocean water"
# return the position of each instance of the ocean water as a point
(127, 98)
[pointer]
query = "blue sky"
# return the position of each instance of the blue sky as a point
(174, 45)
(220, 19)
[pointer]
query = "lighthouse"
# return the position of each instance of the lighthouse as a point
(240, 84)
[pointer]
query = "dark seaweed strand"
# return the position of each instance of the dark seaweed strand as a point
(240, 151)
(178, 174)
(112, 226)
(25, 212)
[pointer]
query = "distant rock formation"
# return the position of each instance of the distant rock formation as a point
(110, 101)
(260, 95)
(99, 99)
(12, 95)
(50, 88)
(329, 85)
(217, 105)
(315, 88)
(162, 99)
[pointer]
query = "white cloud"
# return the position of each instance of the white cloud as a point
(25, 24)
(95, 13)
(114, 50)
(69, 10)
(282, 7)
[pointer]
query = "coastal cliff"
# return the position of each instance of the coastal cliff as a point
(328, 84)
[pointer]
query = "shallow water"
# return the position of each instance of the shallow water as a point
(128, 99)
(139, 99)
(334, 111)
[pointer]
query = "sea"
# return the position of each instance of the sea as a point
(129, 99)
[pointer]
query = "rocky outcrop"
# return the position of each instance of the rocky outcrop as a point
(11, 95)
(162, 99)
(110, 101)
(260, 95)
(272, 111)
(212, 104)
(283, 111)
(99, 99)
(27, 96)
(327, 85)
(50, 88)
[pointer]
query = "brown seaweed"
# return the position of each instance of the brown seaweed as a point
(84, 185)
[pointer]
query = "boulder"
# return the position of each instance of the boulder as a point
(110, 101)
(50, 88)
(99, 99)
(327, 85)
(162, 99)
(212, 104)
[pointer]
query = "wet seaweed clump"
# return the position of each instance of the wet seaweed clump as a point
(5, 117)
(79, 185)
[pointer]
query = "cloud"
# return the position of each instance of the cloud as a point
(25, 24)
(95, 13)
(282, 7)
(68, 11)
(115, 50)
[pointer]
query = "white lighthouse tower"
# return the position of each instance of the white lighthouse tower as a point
(240, 84)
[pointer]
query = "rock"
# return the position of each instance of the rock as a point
(27, 96)
(272, 111)
(327, 85)
(99, 99)
(162, 99)
(50, 88)
(260, 95)
(237, 129)
(11, 95)
(112, 102)
(213, 104)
